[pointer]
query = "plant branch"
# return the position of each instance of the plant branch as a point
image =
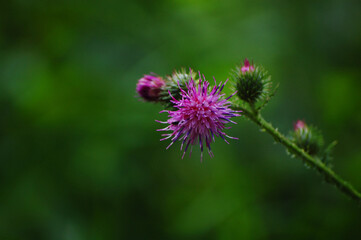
(329, 175)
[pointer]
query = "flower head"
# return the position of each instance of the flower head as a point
(149, 87)
(200, 116)
(247, 67)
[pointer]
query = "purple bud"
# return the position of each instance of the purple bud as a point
(299, 125)
(149, 87)
(247, 67)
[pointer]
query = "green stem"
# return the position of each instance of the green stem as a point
(329, 175)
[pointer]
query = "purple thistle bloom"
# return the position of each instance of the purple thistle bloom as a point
(200, 116)
(149, 87)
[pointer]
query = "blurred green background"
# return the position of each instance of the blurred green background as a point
(79, 154)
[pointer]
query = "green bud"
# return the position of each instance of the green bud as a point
(309, 138)
(251, 82)
(172, 84)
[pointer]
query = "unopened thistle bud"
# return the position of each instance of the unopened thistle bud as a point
(178, 80)
(308, 138)
(251, 82)
(149, 87)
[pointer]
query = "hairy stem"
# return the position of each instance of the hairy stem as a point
(329, 175)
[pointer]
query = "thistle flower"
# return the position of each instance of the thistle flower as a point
(149, 87)
(200, 116)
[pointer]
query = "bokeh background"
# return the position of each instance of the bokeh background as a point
(79, 154)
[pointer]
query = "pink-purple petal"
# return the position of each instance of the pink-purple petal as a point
(200, 115)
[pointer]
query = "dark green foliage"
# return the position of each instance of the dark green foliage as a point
(327, 154)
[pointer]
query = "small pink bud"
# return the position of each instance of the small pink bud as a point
(247, 67)
(299, 125)
(149, 87)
